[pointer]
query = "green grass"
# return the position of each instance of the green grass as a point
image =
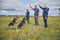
(30, 31)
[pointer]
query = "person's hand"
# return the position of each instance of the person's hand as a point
(45, 17)
(38, 3)
(30, 5)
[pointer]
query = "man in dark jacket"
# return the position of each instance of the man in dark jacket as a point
(45, 14)
(36, 13)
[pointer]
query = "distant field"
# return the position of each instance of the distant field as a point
(30, 31)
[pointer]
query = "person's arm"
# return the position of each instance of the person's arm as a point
(41, 7)
(31, 7)
(48, 11)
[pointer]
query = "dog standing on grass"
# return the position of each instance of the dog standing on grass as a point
(22, 23)
(13, 21)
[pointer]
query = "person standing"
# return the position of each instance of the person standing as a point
(27, 15)
(36, 13)
(45, 14)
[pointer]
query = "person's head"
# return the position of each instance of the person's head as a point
(35, 6)
(44, 5)
(27, 10)
(17, 17)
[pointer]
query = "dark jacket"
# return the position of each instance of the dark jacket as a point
(45, 11)
(36, 11)
(27, 14)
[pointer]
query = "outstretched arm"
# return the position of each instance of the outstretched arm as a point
(41, 7)
(31, 7)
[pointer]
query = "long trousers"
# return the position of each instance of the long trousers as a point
(45, 22)
(27, 20)
(36, 20)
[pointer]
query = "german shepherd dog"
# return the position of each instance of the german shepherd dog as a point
(13, 21)
(22, 23)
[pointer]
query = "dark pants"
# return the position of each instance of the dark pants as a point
(27, 20)
(45, 22)
(36, 20)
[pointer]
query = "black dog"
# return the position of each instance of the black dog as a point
(13, 22)
(22, 22)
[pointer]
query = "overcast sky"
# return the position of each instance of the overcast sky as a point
(17, 7)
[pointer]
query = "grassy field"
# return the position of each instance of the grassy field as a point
(30, 31)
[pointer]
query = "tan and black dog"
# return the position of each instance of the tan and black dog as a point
(22, 23)
(13, 21)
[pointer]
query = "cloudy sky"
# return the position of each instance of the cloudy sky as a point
(17, 7)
